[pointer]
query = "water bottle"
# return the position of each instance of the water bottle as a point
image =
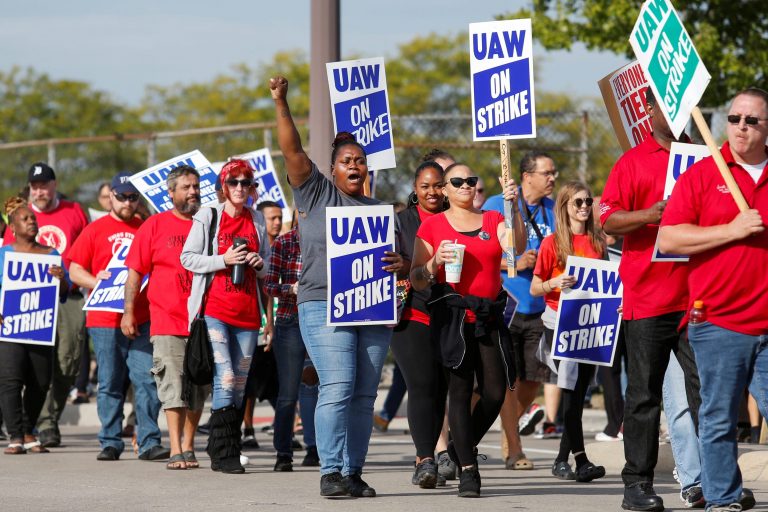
(238, 269)
(697, 315)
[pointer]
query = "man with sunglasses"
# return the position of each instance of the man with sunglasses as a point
(728, 274)
(60, 223)
(654, 302)
(116, 354)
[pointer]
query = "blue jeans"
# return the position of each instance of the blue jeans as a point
(728, 362)
(394, 396)
(232, 355)
(117, 355)
(289, 356)
(307, 405)
(348, 361)
(682, 430)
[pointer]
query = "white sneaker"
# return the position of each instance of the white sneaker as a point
(603, 437)
(244, 461)
(530, 419)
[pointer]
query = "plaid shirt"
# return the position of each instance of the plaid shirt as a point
(284, 270)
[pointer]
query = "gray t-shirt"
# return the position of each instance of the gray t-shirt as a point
(311, 198)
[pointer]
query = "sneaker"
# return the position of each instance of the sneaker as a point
(311, 459)
(605, 438)
(357, 487)
(283, 463)
(425, 474)
(530, 419)
(441, 481)
(244, 461)
(332, 484)
(693, 497)
(380, 424)
(563, 471)
(733, 507)
(747, 499)
(204, 428)
(296, 445)
(469, 483)
(108, 453)
(446, 468)
(49, 438)
(547, 431)
(157, 452)
(249, 440)
(268, 429)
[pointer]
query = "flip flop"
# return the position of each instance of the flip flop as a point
(520, 463)
(15, 449)
(190, 459)
(176, 462)
(35, 447)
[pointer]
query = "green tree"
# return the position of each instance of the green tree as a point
(732, 38)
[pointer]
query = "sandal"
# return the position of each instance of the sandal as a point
(589, 472)
(35, 447)
(519, 462)
(15, 448)
(190, 459)
(176, 462)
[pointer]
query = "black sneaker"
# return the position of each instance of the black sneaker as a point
(108, 453)
(641, 496)
(332, 484)
(469, 483)
(49, 438)
(157, 452)
(425, 474)
(249, 441)
(693, 497)
(283, 463)
(296, 445)
(358, 488)
(311, 459)
(446, 468)
(747, 499)
(563, 471)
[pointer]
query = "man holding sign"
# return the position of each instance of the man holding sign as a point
(115, 353)
(727, 251)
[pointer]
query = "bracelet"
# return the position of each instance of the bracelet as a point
(427, 274)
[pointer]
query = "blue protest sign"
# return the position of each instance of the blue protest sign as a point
(588, 322)
(109, 294)
(151, 182)
(359, 291)
(360, 106)
(501, 63)
(264, 173)
(29, 299)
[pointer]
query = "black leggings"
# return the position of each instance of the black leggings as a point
(482, 361)
(26, 368)
(425, 379)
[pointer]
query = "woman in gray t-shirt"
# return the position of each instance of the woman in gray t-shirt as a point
(348, 359)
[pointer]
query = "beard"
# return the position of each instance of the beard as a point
(125, 213)
(188, 207)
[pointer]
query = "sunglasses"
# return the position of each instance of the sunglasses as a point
(245, 183)
(127, 197)
(750, 120)
(579, 202)
(458, 182)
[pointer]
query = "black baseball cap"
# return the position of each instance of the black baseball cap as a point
(41, 171)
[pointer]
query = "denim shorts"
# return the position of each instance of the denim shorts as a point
(168, 369)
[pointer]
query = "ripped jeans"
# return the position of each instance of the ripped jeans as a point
(233, 349)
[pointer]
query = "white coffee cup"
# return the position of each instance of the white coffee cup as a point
(453, 267)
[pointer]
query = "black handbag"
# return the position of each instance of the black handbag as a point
(198, 355)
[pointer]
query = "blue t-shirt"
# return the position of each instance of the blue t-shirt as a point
(544, 217)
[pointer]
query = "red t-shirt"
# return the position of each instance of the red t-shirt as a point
(480, 274)
(235, 305)
(93, 249)
(59, 228)
(156, 250)
(731, 279)
(637, 183)
(410, 313)
(547, 267)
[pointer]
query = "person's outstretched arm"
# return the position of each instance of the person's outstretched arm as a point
(297, 163)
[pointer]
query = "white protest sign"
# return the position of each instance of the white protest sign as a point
(359, 291)
(623, 93)
(587, 324)
(95, 214)
(360, 106)
(681, 157)
(501, 63)
(675, 71)
(269, 188)
(151, 182)
(109, 294)
(29, 299)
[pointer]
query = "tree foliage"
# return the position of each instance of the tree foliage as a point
(731, 37)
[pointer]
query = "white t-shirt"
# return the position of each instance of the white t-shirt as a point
(755, 170)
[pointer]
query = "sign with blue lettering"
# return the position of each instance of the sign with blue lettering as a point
(359, 291)
(501, 63)
(151, 182)
(681, 157)
(587, 318)
(29, 299)
(109, 294)
(264, 173)
(360, 106)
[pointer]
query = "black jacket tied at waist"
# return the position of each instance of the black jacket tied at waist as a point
(447, 310)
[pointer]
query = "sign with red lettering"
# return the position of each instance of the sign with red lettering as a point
(623, 92)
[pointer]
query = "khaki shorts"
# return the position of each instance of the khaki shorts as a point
(168, 369)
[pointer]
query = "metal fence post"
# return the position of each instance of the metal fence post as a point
(584, 147)
(151, 150)
(52, 154)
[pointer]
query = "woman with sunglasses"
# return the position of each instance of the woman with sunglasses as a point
(232, 311)
(348, 359)
(25, 370)
(466, 318)
(576, 234)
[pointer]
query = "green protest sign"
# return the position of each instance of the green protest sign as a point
(676, 73)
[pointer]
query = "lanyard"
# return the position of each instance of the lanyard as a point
(530, 216)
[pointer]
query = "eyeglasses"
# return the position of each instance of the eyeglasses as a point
(551, 174)
(127, 197)
(750, 120)
(458, 182)
(245, 183)
(579, 202)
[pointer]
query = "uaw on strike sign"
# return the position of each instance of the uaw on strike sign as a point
(109, 293)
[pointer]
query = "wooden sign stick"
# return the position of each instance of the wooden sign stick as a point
(509, 216)
(367, 186)
(725, 172)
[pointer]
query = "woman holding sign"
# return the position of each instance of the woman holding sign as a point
(25, 370)
(348, 359)
(576, 234)
(459, 253)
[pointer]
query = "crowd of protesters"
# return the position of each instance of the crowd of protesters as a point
(465, 358)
